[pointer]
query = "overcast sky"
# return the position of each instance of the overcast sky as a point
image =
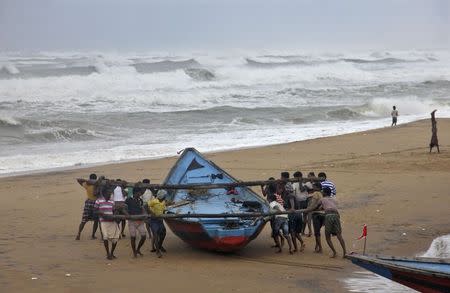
(29, 25)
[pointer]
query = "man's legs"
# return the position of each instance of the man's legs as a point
(94, 229)
(330, 244)
(80, 228)
(106, 244)
(341, 241)
(114, 244)
(123, 228)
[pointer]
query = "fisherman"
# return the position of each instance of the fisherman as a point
(146, 197)
(156, 207)
(120, 208)
(326, 183)
(280, 224)
(318, 216)
(309, 189)
(268, 191)
(110, 230)
(332, 220)
(394, 115)
(136, 207)
(301, 196)
(88, 212)
(294, 219)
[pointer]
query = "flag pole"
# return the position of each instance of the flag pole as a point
(364, 250)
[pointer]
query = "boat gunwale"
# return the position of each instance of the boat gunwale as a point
(185, 151)
(384, 261)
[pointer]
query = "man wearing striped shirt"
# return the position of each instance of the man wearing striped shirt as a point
(326, 183)
(110, 230)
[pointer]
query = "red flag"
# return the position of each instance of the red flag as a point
(364, 232)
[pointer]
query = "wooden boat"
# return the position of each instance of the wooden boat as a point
(219, 234)
(421, 274)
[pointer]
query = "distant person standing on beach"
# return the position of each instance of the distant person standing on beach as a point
(394, 115)
(88, 212)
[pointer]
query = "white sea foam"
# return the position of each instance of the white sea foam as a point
(56, 94)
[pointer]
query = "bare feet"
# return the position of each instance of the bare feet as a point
(109, 257)
(93, 237)
(77, 238)
(163, 249)
(302, 247)
(159, 254)
(292, 251)
(139, 252)
(153, 250)
(333, 255)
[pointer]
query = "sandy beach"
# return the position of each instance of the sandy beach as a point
(385, 178)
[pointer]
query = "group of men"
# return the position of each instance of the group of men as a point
(106, 198)
(305, 201)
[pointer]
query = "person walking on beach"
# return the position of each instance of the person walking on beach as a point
(88, 211)
(326, 183)
(280, 225)
(156, 207)
(110, 230)
(135, 206)
(394, 115)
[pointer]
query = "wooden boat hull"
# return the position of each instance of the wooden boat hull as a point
(196, 235)
(423, 275)
(219, 234)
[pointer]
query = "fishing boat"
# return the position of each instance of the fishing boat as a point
(219, 234)
(421, 274)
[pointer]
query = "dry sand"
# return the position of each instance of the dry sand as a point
(385, 178)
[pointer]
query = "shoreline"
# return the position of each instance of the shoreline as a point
(385, 178)
(125, 161)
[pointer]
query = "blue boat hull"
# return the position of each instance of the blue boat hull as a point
(423, 275)
(218, 234)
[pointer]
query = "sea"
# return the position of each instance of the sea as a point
(71, 109)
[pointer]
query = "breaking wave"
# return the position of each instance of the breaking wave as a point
(166, 65)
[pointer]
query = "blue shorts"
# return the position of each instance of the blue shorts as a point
(280, 224)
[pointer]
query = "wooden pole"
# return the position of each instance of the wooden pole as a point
(211, 216)
(201, 185)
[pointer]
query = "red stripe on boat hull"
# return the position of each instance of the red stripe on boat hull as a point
(422, 283)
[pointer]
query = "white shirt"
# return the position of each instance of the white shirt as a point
(277, 207)
(118, 194)
(147, 196)
(300, 196)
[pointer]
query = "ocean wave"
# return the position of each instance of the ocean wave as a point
(200, 74)
(261, 64)
(74, 134)
(9, 122)
(166, 65)
(43, 72)
(344, 114)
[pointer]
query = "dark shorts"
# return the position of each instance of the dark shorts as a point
(157, 227)
(332, 224)
(280, 224)
(318, 221)
(295, 223)
(303, 204)
(394, 120)
(88, 211)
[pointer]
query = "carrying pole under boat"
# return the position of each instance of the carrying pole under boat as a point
(202, 185)
(178, 216)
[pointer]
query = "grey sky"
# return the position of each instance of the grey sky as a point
(203, 24)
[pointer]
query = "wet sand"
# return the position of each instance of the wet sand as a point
(385, 178)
